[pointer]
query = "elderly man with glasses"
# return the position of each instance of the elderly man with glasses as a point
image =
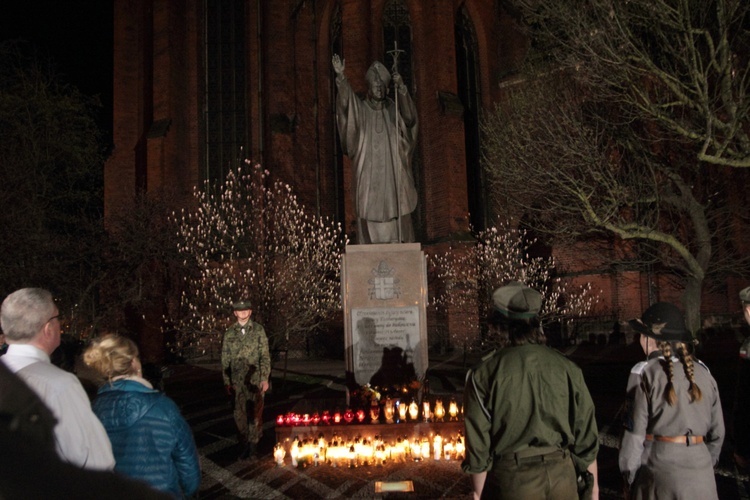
(31, 323)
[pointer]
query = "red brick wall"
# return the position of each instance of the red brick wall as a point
(159, 76)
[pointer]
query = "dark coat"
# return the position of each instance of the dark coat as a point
(151, 441)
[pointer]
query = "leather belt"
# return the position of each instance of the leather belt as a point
(540, 454)
(686, 439)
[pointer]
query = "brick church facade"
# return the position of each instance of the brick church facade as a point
(199, 84)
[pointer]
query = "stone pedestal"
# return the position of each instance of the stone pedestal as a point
(384, 289)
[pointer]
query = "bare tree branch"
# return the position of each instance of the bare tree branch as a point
(680, 64)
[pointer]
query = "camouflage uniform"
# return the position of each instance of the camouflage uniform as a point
(245, 363)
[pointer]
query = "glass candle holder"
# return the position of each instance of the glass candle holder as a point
(413, 410)
(278, 454)
(439, 411)
(294, 452)
(448, 450)
(348, 416)
(425, 448)
(374, 412)
(460, 448)
(416, 450)
(388, 410)
(402, 409)
(437, 447)
(453, 410)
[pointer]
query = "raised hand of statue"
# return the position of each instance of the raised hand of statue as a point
(338, 64)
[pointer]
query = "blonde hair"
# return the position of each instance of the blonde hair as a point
(111, 355)
(687, 365)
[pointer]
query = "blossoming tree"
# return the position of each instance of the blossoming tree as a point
(251, 238)
(501, 255)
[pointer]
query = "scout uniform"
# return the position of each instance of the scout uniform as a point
(529, 418)
(246, 362)
(668, 451)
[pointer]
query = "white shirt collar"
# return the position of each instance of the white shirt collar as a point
(28, 351)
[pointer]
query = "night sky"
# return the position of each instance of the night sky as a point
(75, 34)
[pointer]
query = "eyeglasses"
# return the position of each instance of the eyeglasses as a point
(57, 316)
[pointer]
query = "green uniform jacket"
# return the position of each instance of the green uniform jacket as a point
(245, 357)
(527, 396)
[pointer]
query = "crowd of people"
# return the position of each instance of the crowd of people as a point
(530, 427)
(131, 441)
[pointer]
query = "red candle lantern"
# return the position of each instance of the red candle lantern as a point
(337, 418)
(360, 415)
(306, 419)
(296, 419)
(280, 420)
(326, 418)
(315, 418)
(348, 416)
(288, 419)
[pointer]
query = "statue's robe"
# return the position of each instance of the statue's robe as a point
(384, 188)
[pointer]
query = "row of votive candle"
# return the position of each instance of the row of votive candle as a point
(393, 412)
(339, 452)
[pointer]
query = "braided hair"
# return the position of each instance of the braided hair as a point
(688, 366)
(666, 363)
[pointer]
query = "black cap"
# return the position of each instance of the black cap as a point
(663, 321)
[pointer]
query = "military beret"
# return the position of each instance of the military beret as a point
(517, 301)
(242, 305)
(745, 295)
(663, 321)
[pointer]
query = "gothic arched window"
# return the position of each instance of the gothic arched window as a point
(397, 35)
(469, 92)
(397, 30)
(226, 105)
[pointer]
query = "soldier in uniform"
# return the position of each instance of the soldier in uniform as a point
(529, 417)
(673, 439)
(246, 367)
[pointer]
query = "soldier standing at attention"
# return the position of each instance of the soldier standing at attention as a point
(246, 367)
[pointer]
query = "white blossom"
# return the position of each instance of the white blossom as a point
(469, 274)
(250, 238)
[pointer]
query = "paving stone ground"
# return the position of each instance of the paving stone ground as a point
(198, 390)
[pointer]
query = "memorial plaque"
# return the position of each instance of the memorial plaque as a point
(384, 290)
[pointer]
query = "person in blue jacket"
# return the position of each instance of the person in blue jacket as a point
(151, 441)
